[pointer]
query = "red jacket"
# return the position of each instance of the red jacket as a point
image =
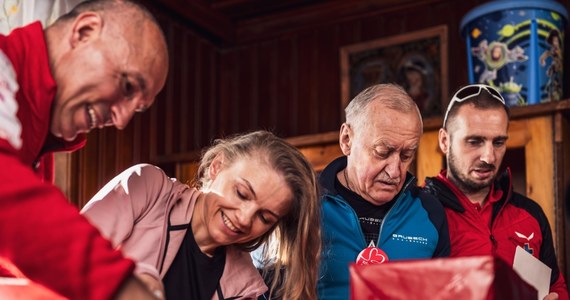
(42, 236)
(515, 221)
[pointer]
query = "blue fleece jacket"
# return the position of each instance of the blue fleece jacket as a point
(414, 228)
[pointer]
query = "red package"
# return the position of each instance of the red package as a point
(24, 289)
(466, 278)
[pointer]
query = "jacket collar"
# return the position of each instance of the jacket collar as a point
(328, 177)
(435, 186)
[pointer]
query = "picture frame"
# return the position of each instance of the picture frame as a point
(417, 61)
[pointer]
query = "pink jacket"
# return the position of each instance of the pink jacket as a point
(131, 211)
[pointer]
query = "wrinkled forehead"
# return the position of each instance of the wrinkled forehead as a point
(402, 136)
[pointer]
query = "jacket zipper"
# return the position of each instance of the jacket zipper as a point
(491, 230)
(388, 213)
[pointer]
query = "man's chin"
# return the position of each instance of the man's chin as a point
(381, 198)
(479, 184)
(68, 137)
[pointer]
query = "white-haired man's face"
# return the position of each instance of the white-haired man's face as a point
(379, 152)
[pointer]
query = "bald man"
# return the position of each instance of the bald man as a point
(95, 66)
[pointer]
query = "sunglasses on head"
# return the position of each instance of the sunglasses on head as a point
(470, 91)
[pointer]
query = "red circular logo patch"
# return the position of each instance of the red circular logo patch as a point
(371, 256)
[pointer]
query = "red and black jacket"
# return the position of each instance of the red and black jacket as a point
(516, 221)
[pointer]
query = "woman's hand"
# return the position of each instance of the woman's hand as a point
(155, 286)
(551, 296)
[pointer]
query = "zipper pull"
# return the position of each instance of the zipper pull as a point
(493, 241)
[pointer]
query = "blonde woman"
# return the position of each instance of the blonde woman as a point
(194, 242)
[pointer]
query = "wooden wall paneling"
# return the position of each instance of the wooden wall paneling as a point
(114, 155)
(429, 158)
(228, 91)
(197, 90)
(180, 100)
(171, 89)
(194, 60)
(138, 143)
(200, 13)
(539, 162)
(308, 74)
(88, 174)
(304, 68)
(457, 54)
(328, 101)
(180, 123)
(255, 99)
(325, 14)
(273, 77)
(147, 140)
(122, 152)
(158, 109)
(312, 97)
(319, 149)
(261, 61)
(249, 102)
(349, 34)
(286, 101)
(186, 172)
(63, 179)
(210, 123)
(105, 141)
(562, 184)
(151, 127)
(375, 27)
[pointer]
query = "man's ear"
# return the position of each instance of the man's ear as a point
(86, 27)
(216, 166)
(345, 138)
(443, 140)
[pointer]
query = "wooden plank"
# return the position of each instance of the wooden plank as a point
(186, 172)
(325, 13)
(519, 134)
(202, 15)
(562, 187)
(321, 156)
(563, 207)
(429, 160)
(540, 165)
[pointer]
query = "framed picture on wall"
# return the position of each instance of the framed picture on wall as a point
(417, 61)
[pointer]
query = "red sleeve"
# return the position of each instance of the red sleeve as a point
(559, 287)
(47, 239)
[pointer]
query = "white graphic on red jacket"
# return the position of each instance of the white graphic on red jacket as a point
(526, 246)
(10, 126)
(522, 236)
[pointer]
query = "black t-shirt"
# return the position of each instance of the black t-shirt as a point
(369, 215)
(193, 274)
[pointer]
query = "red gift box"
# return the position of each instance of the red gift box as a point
(465, 278)
(24, 289)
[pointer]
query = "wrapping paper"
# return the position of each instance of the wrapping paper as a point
(466, 278)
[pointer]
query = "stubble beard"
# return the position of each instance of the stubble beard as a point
(462, 181)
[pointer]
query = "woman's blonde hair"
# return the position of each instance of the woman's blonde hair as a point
(292, 247)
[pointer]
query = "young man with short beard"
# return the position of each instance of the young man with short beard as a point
(485, 215)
